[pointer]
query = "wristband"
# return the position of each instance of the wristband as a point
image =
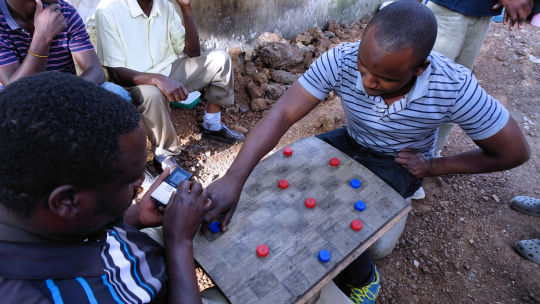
(36, 55)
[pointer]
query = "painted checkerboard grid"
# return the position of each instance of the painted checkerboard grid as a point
(278, 218)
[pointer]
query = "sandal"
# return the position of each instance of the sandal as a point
(529, 249)
(526, 204)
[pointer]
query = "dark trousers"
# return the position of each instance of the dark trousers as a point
(360, 271)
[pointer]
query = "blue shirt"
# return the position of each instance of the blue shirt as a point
(474, 8)
(445, 92)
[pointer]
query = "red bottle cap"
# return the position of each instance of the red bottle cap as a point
(356, 225)
(283, 184)
(287, 151)
(262, 251)
(334, 162)
(310, 202)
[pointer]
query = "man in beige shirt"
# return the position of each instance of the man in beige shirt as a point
(139, 42)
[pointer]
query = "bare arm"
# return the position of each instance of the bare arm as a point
(291, 107)
(505, 150)
(182, 218)
(89, 63)
(48, 22)
(172, 89)
(193, 46)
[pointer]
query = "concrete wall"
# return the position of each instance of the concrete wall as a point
(226, 23)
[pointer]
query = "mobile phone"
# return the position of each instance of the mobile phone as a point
(164, 191)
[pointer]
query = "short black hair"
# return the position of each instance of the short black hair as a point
(405, 24)
(57, 129)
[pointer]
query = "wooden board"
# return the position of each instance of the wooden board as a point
(279, 219)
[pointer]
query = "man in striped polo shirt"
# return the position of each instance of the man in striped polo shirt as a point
(68, 230)
(395, 93)
(37, 36)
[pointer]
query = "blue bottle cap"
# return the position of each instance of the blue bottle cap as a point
(215, 227)
(360, 205)
(324, 255)
(355, 183)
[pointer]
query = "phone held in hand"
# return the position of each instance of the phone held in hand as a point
(165, 190)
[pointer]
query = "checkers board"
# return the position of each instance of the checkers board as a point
(294, 234)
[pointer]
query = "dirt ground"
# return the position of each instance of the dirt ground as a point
(457, 244)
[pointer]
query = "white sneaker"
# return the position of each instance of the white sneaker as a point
(419, 194)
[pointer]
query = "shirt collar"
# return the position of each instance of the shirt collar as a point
(9, 19)
(419, 89)
(421, 85)
(136, 10)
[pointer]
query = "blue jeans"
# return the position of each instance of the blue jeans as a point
(119, 90)
(360, 271)
(382, 165)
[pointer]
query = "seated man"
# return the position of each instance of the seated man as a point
(68, 229)
(139, 42)
(395, 93)
(36, 36)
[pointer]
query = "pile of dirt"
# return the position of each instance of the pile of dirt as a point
(456, 247)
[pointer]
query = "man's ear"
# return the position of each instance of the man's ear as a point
(420, 69)
(63, 201)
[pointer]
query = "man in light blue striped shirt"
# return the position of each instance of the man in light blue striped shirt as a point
(395, 93)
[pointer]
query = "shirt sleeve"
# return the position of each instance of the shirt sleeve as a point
(177, 32)
(78, 37)
(109, 46)
(477, 113)
(321, 77)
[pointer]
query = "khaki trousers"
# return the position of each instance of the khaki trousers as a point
(213, 71)
(459, 38)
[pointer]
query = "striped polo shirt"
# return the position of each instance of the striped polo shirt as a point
(15, 41)
(122, 266)
(445, 92)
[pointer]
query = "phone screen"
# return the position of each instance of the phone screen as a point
(164, 191)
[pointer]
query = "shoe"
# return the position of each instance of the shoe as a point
(419, 194)
(526, 204)
(224, 134)
(529, 249)
(368, 293)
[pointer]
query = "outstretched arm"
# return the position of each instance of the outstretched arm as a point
(225, 192)
(193, 46)
(504, 150)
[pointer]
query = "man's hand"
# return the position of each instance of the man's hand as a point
(515, 10)
(146, 212)
(184, 212)
(417, 164)
(172, 89)
(224, 193)
(48, 21)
